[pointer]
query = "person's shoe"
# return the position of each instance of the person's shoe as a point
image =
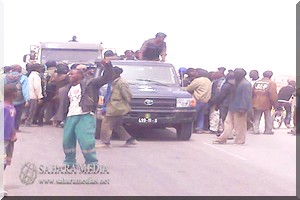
(131, 141)
(255, 133)
(218, 134)
(27, 124)
(240, 143)
(219, 142)
(269, 133)
(288, 126)
(230, 138)
(48, 122)
(60, 125)
(213, 132)
(103, 145)
(198, 131)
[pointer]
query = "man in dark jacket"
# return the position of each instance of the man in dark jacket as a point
(239, 106)
(78, 103)
(223, 99)
(214, 114)
(284, 96)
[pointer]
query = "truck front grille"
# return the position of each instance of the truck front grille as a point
(152, 103)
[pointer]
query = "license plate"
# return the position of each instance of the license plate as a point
(147, 120)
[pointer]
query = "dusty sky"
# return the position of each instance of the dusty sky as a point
(256, 34)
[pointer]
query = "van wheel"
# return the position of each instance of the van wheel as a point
(184, 131)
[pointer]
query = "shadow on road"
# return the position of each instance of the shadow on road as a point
(155, 134)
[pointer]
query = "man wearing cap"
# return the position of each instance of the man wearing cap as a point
(254, 76)
(116, 106)
(154, 48)
(191, 75)
(239, 106)
(264, 96)
(74, 39)
(129, 55)
(222, 70)
(222, 100)
(111, 55)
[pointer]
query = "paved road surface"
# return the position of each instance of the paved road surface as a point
(160, 165)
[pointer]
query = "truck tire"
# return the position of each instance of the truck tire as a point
(184, 131)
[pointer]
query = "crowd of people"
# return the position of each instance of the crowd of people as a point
(228, 104)
(69, 96)
(231, 104)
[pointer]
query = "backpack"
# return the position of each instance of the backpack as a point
(18, 85)
(19, 96)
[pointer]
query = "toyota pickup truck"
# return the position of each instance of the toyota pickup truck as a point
(158, 100)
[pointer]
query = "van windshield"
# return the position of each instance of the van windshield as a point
(69, 55)
(160, 75)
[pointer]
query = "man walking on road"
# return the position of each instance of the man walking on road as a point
(116, 106)
(78, 102)
(239, 106)
(264, 97)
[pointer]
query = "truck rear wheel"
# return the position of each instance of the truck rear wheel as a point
(184, 131)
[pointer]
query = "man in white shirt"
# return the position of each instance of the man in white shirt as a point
(35, 91)
(77, 105)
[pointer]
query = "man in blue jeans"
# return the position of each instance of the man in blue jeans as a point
(200, 88)
(78, 102)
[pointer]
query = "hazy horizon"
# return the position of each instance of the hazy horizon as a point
(208, 34)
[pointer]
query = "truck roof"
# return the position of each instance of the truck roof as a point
(71, 45)
(141, 62)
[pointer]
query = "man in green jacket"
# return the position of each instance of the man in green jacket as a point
(116, 106)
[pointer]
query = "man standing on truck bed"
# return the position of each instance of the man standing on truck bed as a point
(153, 48)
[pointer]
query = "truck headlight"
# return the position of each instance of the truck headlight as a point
(185, 102)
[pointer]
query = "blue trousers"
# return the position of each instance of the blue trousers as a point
(201, 108)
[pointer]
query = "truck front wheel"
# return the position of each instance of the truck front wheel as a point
(184, 131)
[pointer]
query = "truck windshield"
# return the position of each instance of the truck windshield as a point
(161, 75)
(69, 55)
